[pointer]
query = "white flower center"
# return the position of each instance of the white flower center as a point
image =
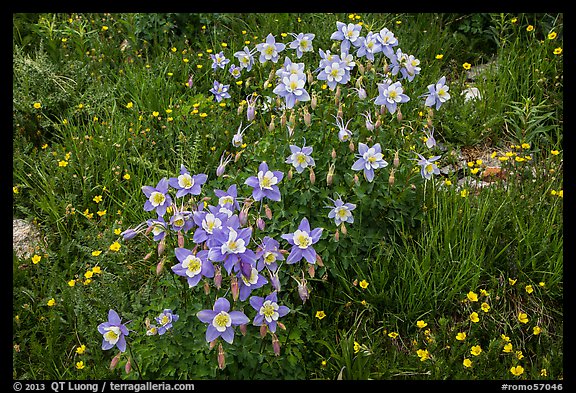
(221, 321)
(157, 198)
(267, 180)
(269, 310)
(112, 335)
(193, 265)
(269, 257)
(210, 222)
(302, 239)
(233, 245)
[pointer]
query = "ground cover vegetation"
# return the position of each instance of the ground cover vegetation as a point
(289, 196)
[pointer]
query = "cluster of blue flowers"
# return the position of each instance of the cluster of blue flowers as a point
(222, 239)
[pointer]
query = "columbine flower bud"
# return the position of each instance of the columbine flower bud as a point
(292, 119)
(128, 366)
(351, 146)
(307, 118)
(281, 325)
(251, 112)
(314, 101)
(276, 344)
(311, 271)
(240, 108)
(289, 176)
(160, 266)
(190, 82)
(243, 217)
(337, 235)
(217, 277)
(330, 175)
(319, 260)
(378, 122)
(237, 156)
(268, 211)
(356, 179)
(115, 361)
(312, 176)
(221, 357)
(283, 119)
(333, 153)
(396, 161)
(337, 94)
(399, 115)
(234, 287)
(180, 239)
(161, 246)
(271, 126)
(343, 229)
(383, 110)
(386, 68)
(260, 223)
(358, 83)
(213, 343)
(361, 68)
(263, 330)
(206, 288)
(368, 66)
(243, 328)
(310, 77)
(147, 256)
(391, 178)
(340, 111)
(362, 93)
(266, 84)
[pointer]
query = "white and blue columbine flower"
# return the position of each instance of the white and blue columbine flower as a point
(369, 159)
(390, 94)
(428, 167)
(437, 93)
(334, 71)
(388, 41)
(291, 88)
(245, 58)
(270, 49)
(369, 45)
(341, 212)
(220, 91)
(302, 43)
(300, 157)
(219, 60)
(348, 34)
(165, 320)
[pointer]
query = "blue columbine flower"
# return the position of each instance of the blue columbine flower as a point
(192, 266)
(341, 212)
(388, 41)
(220, 320)
(158, 228)
(207, 222)
(158, 198)
(268, 253)
(270, 49)
(264, 185)
(185, 184)
(248, 283)
(229, 245)
(219, 60)
(245, 58)
(181, 220)
(301, 241)
(368, 46)
(347, 33)
(300, 157)
(237, 138)
(369, 159)
(227, 199)
(235, 71)
(390, 94)
(220, 91)
(334, 72)
(344, 134)
(437, 93)
(430, 141)
(302, 43)
(427, 166)
(165, 320)
(113, 332)
(268, 310)
(291, 88)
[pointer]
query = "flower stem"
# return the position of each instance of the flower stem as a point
(134, 359)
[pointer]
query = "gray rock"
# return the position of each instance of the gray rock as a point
(26, 238)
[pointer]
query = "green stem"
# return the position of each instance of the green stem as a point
(135, 362)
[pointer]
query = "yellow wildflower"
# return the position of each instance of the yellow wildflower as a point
(474, 317)
(522, 317)
(507, 348)
(81, 349)
(115, 246)
(36, 259)
(51, 302)
(472, 296)
(461, 336)
(364, 284)
(530, 28)
(80, 365)
(529, 289)
(320, 314)
(421, 324)
(518, 370)
(536, 330)
(485, 307)
(476, 350)
(552, 35)
(466, 66)
(467, 363)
